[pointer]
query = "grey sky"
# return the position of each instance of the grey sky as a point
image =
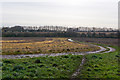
(97, 13)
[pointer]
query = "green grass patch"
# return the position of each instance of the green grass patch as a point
(101, 66)
(40, 67)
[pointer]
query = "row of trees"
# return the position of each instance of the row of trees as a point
(61, 34)
(55, 29)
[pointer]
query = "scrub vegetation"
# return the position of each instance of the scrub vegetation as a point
(43, 45)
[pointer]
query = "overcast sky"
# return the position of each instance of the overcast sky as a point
(75, 13)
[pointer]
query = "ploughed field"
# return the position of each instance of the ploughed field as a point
(35, 45)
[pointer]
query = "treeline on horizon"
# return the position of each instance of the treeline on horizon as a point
(61, 34)
(19, 31)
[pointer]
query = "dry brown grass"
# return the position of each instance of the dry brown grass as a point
(48, 45)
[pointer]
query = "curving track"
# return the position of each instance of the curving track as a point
(102, 49)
